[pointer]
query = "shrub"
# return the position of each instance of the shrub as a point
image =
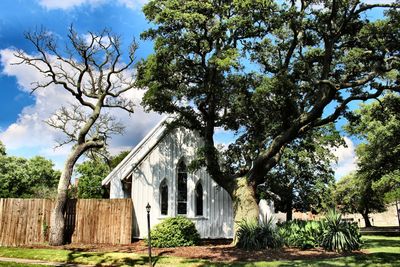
(252, 235)
(174, 232)
(339, 235)
(301, 234)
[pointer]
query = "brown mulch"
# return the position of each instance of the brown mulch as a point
(211, 250)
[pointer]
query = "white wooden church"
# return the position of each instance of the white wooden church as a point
(155, 172)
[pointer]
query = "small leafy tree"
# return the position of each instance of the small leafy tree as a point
(354, 194)
(303, 178)
(91, 173)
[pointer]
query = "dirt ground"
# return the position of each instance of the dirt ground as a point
(213, 251)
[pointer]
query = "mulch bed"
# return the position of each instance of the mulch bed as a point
(213, 251)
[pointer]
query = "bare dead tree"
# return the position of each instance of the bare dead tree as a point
(90, 68)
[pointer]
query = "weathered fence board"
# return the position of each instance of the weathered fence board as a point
(103, 221)
(27, 221)
(24, 221)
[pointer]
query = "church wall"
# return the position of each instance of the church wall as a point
(161, 163)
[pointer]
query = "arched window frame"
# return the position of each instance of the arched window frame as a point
(163, 189)
(199, 199)
(181, 188)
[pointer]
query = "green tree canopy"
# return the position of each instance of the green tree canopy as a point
(93, 171)
(2, 149)
(377, 124)
(27, 178)
(354, 194)
(389, 185)
(303, 178)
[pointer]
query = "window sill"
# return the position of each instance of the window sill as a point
(197, 218)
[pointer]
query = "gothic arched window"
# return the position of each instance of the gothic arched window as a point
(199, 199)
(182, 188)
(164, 197)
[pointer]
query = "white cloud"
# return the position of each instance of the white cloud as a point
(69, 4)
(133, 4)
(347, 159)
(30, 132)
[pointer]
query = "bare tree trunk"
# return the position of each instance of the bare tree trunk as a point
(57, 220)
(245, 205)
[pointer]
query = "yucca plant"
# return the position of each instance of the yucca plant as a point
(339, 235)
(254, 235)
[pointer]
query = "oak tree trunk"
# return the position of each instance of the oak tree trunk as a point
(245, 205)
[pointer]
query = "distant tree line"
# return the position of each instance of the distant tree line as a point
(27, 178)
(37, 178)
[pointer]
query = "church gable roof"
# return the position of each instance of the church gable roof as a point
(139, 152)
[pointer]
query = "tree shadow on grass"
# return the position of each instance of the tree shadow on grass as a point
(376, 243)
(103, 259)
(365, 260)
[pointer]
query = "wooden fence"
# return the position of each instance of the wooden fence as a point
(90, 221)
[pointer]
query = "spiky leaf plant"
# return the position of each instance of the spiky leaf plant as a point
(339, 235)
(254, 235)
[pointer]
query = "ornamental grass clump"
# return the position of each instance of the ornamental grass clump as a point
(254, 235)
(174, 232)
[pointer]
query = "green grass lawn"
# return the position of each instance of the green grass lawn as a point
(12, 264)
(383, 251)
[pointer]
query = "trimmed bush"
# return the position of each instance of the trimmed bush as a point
(174, 232)
(252, 235)
(339, 235)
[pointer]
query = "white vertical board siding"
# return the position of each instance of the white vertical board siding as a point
(159, 163)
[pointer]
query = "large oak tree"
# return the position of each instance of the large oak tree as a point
(270, 70)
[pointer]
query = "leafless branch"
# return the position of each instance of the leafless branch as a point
(91, 70)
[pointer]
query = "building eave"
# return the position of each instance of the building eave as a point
(139, 151)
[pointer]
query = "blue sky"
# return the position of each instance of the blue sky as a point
(22, 115)
(22, 129)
